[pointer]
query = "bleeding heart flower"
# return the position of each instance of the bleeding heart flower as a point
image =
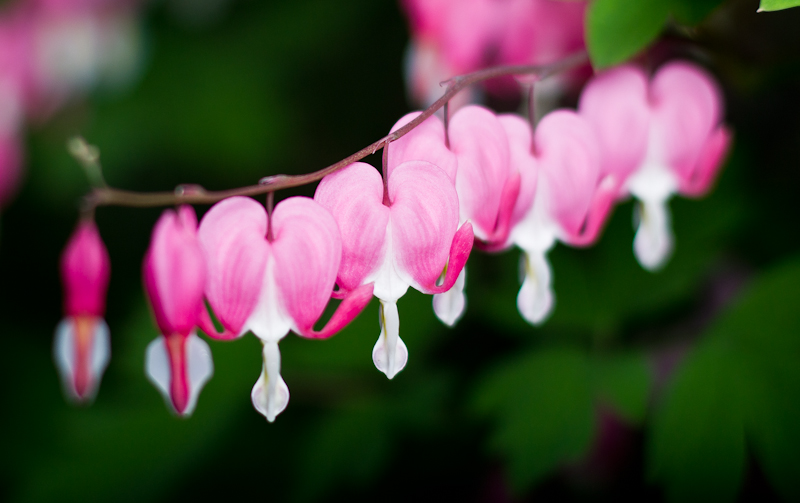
(452, 37)
(178, 362)
(658, 139)
(81, 348)
(567, 198)
(395, 236)
(270, 275)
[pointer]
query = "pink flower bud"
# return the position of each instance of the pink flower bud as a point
(81, 348)
(85, 269)
(178, 363)
(175, 272)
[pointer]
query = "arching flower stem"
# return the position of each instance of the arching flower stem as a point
(103, 195)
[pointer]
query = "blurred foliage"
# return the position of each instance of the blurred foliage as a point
(617, 30)
(678, 385)
(771, 5)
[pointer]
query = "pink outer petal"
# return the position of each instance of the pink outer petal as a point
(520, 142)
(354, 196)
(602, 205)
(569, 167)
(308, 249)
(424, 218)
(481, 147)
(426, 142)
(460, 249)
(687, 107)
(498, 239)
(712, 157)
(233, 238)
(174, 272)
(350, 307)
(85, 270)
(615, 102)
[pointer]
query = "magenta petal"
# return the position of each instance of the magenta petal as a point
(459, 253)
(308, 248)
(602, 204)
(426, 142)
(616, 103)
(174, 272)
(233, 237)
(85, 270)
(687, 107)
(10, 167)
(481, 147)
(424, 218)
(711, 159)
(569, 167)
(348, 309)
(354, 196)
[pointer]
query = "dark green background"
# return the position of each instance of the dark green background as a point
(679, 385)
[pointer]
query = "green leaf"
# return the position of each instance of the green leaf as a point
(698, 443)
(618, 29)
(543, 407)
(773, 5)
(624, 383)
(741, 382)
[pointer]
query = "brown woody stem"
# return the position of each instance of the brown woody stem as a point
(195, 194)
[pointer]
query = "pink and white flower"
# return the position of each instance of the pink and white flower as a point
(398, 234)
(564, 196)
(272, 274)
(178, 361)
(82, 347)
(658, 138)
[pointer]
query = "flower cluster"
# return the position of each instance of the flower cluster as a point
(490, 180)
(51, 51)
(453, 37)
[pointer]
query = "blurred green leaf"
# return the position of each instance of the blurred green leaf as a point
(773, 5)
(543, 409)
(741, 381)
(616, 30)
(698, 444)
(624, 382)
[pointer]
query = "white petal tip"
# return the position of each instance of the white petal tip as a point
(199, 369)
(270, 401)
(536, 299)
(653, 242)
(81, 350)
(449, 306)
(390, 364)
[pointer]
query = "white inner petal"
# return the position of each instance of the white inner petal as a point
(200, 368)
(389, 285)
(390, 353)
(536, 298)
(269, 321)
(449, 306)
(270, 394)
(653, 242)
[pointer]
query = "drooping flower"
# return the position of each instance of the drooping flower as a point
(399, 234)
(567, 199)
(658, 138)
(178, 361)
(82, 347)
(270, 274)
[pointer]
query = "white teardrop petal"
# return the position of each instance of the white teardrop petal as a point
(200, 368)
(390, 353)
(63, 354)
(270, 394)
(449, 306)
(536, 298)
(157, 368)
(653, 242)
